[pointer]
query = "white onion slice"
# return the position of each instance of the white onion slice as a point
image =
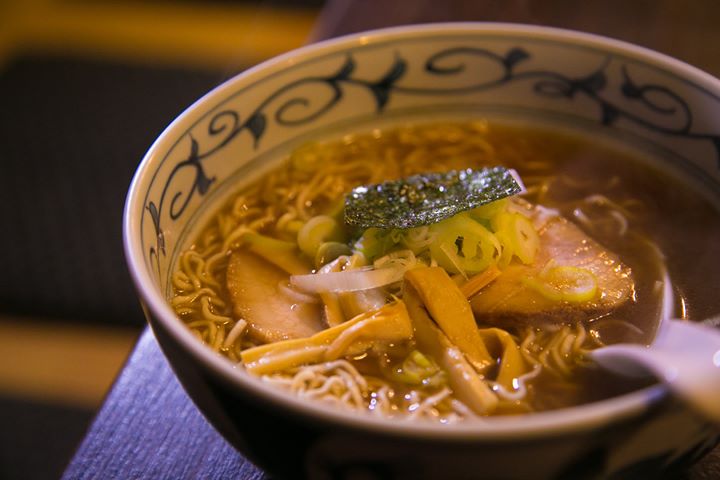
(347, 281)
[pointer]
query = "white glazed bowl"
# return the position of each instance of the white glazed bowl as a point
(417, 73)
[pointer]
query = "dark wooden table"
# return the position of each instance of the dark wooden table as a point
(149, 428)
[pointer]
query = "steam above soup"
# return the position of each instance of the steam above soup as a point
(488, 309)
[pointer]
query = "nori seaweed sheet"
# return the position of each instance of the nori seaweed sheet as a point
(427, 198)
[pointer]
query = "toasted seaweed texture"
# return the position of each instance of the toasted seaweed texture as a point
(427, 198)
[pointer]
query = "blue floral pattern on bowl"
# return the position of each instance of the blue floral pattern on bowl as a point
(610, 87)
(538, 75)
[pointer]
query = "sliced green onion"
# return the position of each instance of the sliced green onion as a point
(525, 240)
(518, 237)
(416, 369)
(463, 245)
(565, 283)
(318, 230)
(329, 251)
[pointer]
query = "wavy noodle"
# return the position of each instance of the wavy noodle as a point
(521, 382)
(339, 383)
(556, 351)
(427, 406)
(336, 382)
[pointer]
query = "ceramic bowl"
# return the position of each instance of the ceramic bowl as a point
(539, 75)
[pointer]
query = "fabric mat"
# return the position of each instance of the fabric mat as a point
(71, 134)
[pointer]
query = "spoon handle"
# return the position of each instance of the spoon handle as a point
(685, 355)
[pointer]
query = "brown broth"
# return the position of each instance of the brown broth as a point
(561, 171)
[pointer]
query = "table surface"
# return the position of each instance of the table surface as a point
(149, 428)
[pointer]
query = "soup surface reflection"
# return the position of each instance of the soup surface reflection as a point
(489, 312)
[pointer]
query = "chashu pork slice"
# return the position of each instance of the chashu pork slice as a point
(510, 300)
(254, 287)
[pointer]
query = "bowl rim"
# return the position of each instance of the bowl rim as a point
(569, 420)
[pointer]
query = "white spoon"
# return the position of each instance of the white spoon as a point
(685, 355)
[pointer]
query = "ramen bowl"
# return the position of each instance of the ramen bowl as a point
(532, 75)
